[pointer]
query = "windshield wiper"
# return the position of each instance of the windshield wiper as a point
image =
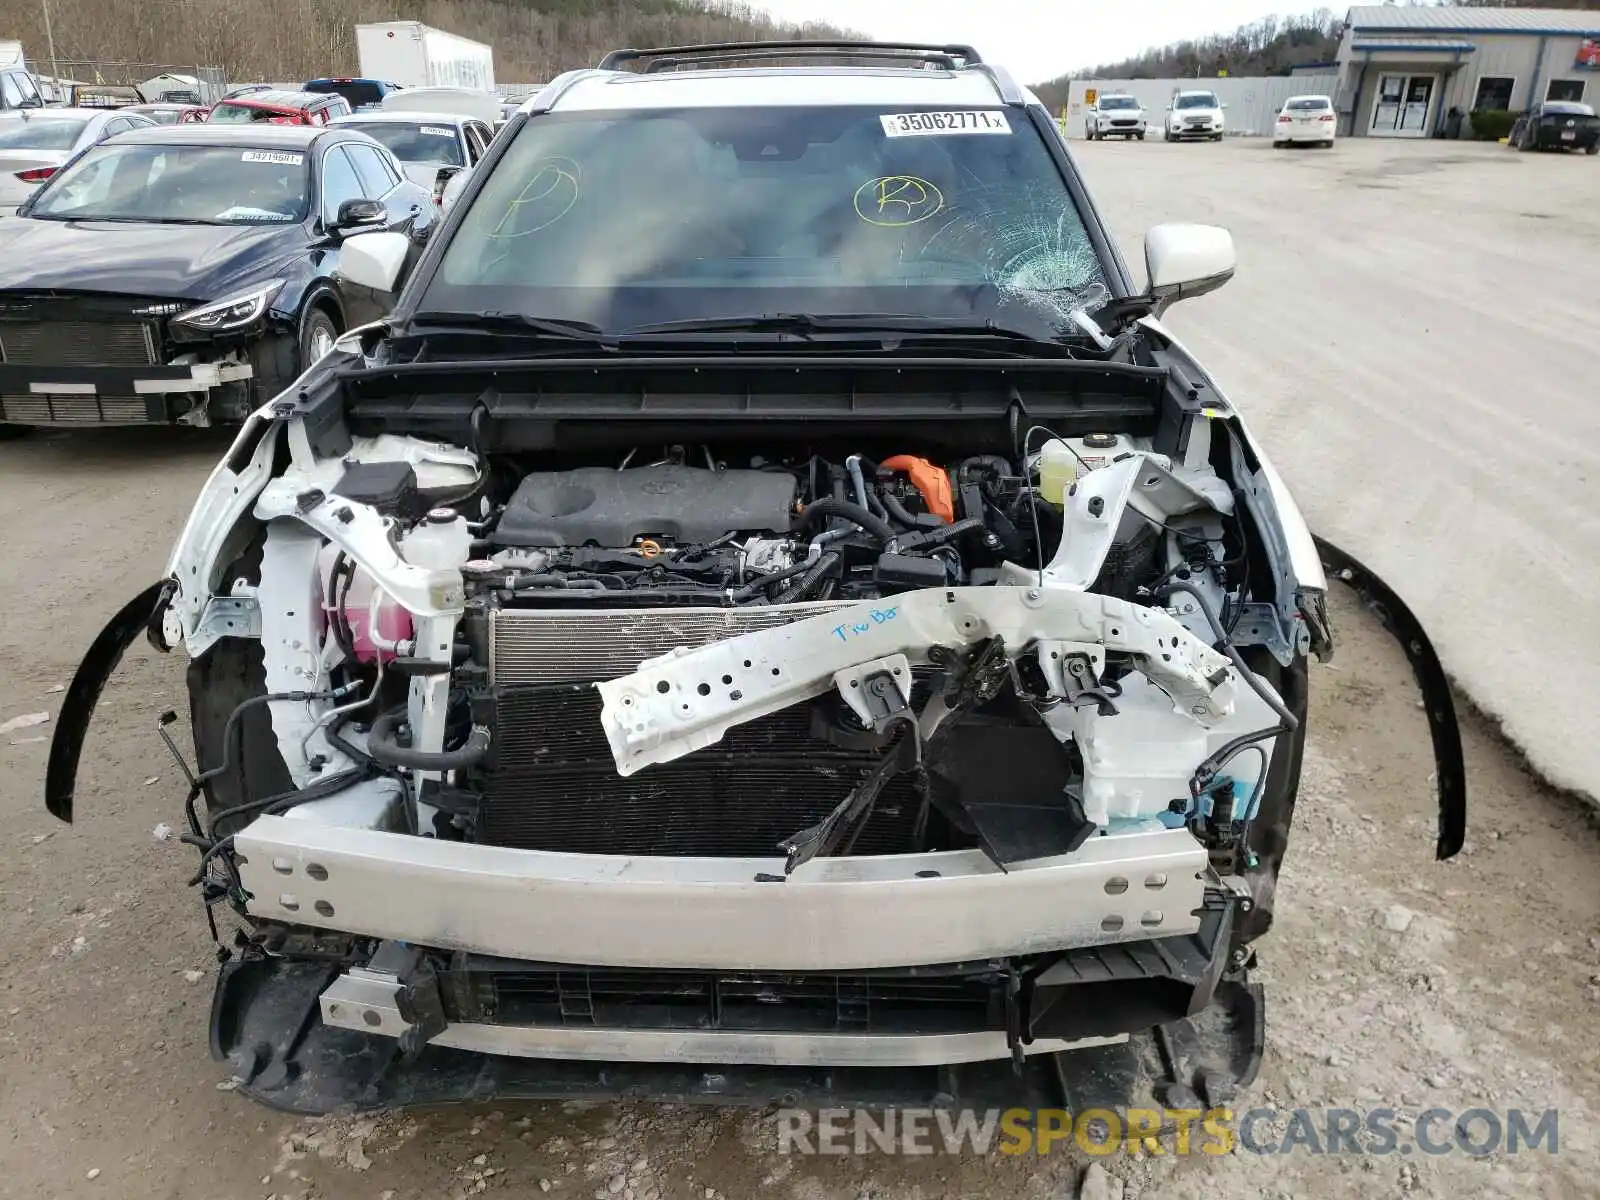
(804, 325)
(505, 322)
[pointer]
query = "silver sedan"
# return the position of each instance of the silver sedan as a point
(34, 143)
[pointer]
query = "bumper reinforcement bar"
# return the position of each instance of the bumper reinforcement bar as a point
(833, 914)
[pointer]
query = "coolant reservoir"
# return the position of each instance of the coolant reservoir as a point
(440, 541)
(1058, 470)
(377, 622)
(1062, 460)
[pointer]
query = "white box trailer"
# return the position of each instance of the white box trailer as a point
(416, 55)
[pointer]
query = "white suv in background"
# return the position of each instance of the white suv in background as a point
(1116, 115)
(1194, 115)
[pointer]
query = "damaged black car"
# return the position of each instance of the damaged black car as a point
(186, 274)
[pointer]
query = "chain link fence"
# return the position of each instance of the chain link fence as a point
(72, 80)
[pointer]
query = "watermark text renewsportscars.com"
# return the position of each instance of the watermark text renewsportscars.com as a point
(1155, 1131)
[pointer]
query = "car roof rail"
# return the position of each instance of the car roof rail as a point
(950, 56)
(662, 58)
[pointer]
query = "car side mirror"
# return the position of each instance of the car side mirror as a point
(359, 214)
(1184, 261)
(373, 260)
(452, 190)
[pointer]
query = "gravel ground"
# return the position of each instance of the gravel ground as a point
(1394, 981)
(1412, 332)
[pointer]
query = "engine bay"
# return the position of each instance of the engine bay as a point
(1056, 725)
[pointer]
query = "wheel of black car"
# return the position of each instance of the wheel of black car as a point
(228, 674)
(1592, 148)
(317, 335)
(8, 432)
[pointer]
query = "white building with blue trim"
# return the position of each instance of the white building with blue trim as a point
(1403, 69)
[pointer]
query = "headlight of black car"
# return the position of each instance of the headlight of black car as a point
(232, 313)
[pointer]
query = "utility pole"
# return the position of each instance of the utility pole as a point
(50, 40)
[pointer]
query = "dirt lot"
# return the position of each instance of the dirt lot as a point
(1393, 980)
(1412, 330)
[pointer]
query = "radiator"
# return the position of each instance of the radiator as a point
(553, 646)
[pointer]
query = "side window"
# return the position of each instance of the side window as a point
(120, 125)
(477, 142)
(24, 84)
(377, 176)
(10, 93)
(339, 182)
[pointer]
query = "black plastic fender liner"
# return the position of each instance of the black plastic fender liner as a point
(1402, 623)
(138, 616)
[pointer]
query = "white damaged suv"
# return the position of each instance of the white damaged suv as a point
(772, 613)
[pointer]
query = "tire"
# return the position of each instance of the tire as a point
(12, 432)
(231, 672)
(318, 331)
(1216, 137)
(1592, 148)
(1328, 145)
(1140, 136)
(1279, 145)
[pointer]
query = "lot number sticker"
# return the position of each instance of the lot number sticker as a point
(934, 124)
(438, 131)
(278, 158)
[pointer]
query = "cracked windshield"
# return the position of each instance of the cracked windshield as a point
(628, 219)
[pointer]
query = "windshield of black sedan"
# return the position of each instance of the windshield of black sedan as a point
(221, 185)
(624, 219)
(424, 142)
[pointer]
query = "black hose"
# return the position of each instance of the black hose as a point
(1288, 722)
(900, 512)
(810, 579)
(993, 462)
(528, 582)
(319, 790)
(756, 585)
(337, 739)
(386, 749)
(339, 579)
(1257, 684)
(845, 510)
(232, 731)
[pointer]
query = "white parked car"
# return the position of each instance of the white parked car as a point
(1306, 119)
(1195, 115)
(35, 142)
(954, 743)
(431, 146)
(1116, 116)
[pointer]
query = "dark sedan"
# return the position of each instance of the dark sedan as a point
(187, 274)
(1557, 125)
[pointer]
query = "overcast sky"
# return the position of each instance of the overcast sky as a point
(1038, 39)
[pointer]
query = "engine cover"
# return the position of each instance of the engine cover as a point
(604, 507)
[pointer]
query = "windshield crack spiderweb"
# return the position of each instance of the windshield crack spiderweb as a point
(1031, 248)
